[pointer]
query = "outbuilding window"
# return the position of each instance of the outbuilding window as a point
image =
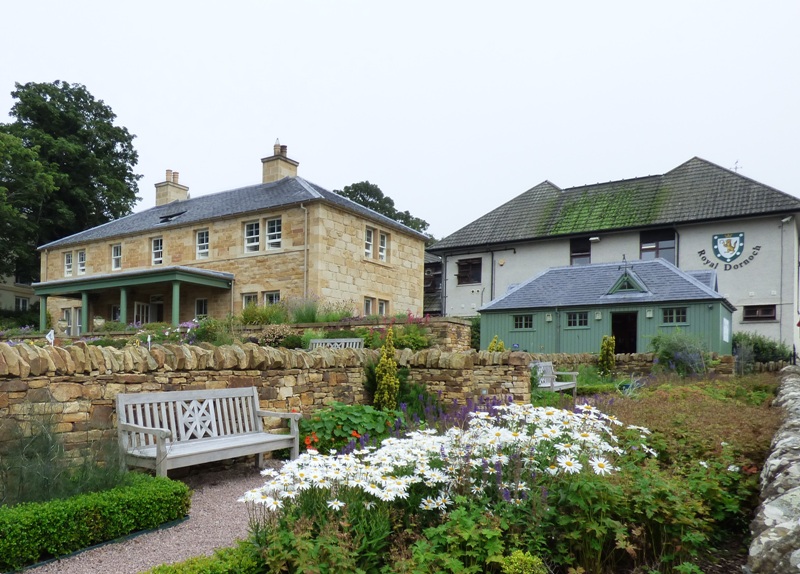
(759, 313)
(674, 315)
(578, 319)
(469, 271)
(523, 321)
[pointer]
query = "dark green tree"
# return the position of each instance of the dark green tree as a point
(25, 187)
(370, 195)
(90, 159)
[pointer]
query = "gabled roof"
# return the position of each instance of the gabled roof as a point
(697, 190)
(590, 285)
(265, 196)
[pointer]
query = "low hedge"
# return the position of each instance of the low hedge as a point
(239, 559)
(36, 531)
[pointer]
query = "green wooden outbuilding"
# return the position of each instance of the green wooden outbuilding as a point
(570, 309)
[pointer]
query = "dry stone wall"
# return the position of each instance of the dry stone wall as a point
(75, 387)
(775, 548)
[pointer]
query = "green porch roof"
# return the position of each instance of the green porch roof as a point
(182, 274)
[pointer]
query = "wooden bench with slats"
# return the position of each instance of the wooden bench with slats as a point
(355, 343)
(548, 378)
(175, 429)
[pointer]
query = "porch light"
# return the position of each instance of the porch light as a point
(648, 313)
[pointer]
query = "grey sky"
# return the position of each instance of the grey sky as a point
(451, 107)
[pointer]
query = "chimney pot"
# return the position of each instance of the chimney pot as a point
(169, 175)
(276, 149)
(283, 150)
(175, 175)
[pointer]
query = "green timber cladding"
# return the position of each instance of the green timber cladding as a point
(570, 309)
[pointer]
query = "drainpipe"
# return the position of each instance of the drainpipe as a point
(677, 249)
(305, 251)
(491, 282)
(443, 290)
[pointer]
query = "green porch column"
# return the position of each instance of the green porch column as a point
(43, 313)
(176, 303)
(85, 311)
(123, 305)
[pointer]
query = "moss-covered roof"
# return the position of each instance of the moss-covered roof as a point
(697, 190)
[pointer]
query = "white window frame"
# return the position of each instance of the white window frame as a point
(383, 307)
(383, 246)
(68, 264)
(369, 240)
(369, 306)
(200, 308)
(274, 233)
(201, 241)
(249, 299)
(21, 303)
(272, 297)
(82, 262)
(252, 237)
(116, 257)
(157, 245)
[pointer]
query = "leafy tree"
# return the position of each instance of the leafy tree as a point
(89, 158)
(370, 195)
(25, 186)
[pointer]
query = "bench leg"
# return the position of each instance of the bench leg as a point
(260, 461)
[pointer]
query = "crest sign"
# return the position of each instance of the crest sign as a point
(728, 246)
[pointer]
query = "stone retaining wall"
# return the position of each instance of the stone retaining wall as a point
(776, 529)
(75, 387)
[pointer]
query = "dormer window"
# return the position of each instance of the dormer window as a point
(627, 283)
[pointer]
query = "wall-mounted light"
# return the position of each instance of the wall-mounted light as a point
(548, 317)
(598, 315)
(787, 219)
(648, 313)
(594, 239)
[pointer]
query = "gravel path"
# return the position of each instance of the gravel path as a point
(216, 520)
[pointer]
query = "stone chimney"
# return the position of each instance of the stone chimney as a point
(278, 165)
(170, 190)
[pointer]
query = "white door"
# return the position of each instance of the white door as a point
(141, 313)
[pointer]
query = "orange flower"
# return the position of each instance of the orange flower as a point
(355, 434)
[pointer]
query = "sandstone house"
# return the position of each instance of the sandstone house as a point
(187, 257)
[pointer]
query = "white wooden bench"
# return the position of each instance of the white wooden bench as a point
(356, 343)
(175, 429)
(548, 378)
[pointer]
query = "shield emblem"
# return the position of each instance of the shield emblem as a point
(728, 246)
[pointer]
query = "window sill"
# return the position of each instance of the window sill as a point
(377, 262)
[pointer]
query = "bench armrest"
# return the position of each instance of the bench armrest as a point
(275, 414)
(160, 433)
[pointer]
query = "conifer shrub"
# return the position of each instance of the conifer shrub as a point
(607, 361)
(388, 384)
(496, 345)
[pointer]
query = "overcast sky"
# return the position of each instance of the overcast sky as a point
(451, 107)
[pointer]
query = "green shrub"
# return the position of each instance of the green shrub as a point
(291, 342)
(240, 559)
(270, 314)
(274, 335)
(303, 310)
(309, 334)
(34, 531)
(334, 427)
(412, 336)
(607, 360)
(214, 331)
(762, 349)
(475, 333)
(680, 352)
(386, 376)
(496, 345)
(520, 562)
(334, 311)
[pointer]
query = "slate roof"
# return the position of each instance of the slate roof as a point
(265, 196)
(697, 190)
(589, 285)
